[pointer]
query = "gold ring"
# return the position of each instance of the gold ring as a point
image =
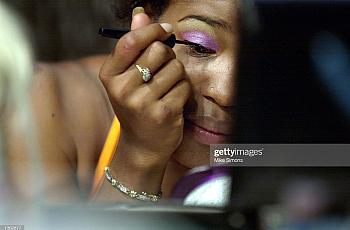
(145, 73)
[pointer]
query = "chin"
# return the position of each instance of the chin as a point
(192, 153)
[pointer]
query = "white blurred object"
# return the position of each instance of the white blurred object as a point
(213, 193)
(16, 70)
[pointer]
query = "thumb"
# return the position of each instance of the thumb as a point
(139, 18)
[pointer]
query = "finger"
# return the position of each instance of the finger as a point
(130, 46)
(154, 57)
(140, 19)
(131, 81)
(164, 80)
(178, 96)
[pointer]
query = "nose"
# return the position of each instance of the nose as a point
(221, 86)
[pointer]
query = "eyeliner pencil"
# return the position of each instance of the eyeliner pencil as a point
(117, 33)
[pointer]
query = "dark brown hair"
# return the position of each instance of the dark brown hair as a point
(123, 8)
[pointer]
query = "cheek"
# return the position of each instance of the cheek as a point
(196, 69)
(226, 61)
(206, 74)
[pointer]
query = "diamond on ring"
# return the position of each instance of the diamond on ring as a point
(145, 73)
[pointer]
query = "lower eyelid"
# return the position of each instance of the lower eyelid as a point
(192, 53)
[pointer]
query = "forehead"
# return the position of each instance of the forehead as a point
(225, 10)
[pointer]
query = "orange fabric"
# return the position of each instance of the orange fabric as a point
(106, 156)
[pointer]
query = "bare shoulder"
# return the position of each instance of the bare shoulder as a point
(82, 109)
(72, 114)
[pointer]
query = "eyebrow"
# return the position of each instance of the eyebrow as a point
(217, 23)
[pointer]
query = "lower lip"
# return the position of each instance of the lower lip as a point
(206, 137)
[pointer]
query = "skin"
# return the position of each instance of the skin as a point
(74, 104)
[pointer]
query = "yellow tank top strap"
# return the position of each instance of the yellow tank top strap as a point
(106, 156)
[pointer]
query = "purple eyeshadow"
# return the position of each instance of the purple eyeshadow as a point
(201, 38)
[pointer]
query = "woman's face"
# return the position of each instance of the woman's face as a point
(211, 69)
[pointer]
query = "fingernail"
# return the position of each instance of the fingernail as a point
(167, 27)
(138, 10)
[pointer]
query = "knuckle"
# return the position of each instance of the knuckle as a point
(119, 93)
(177, 66)
(162, 114)
(103, 76)
(165, 110)
(158, 49)
(137, 105)
(128, 41)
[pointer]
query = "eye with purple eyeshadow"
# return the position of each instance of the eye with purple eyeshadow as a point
(206, 44)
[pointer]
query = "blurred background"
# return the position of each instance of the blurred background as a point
(63, 29)
(66, 29)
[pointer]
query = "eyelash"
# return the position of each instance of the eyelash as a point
(200, 51)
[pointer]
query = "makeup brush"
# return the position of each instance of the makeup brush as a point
(117, 33)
